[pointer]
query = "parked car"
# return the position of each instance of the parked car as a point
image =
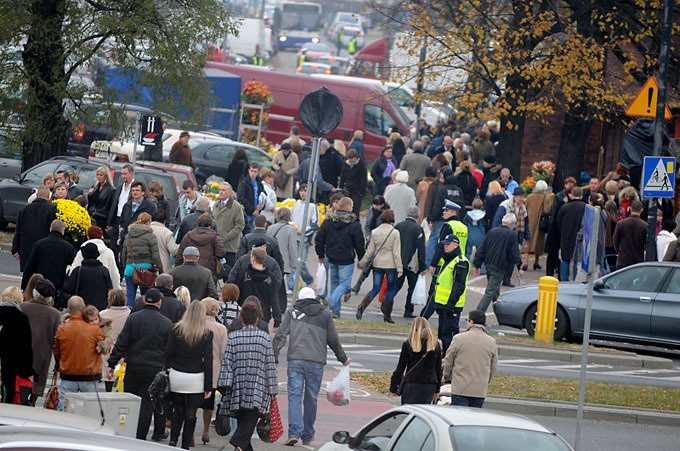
(10, 157)
(640, 303)
(47, 439)
(344, 18)
(314, 50)
(24, 416)
(314, 68)
(14, 193)
(212, 155)
(447, 428)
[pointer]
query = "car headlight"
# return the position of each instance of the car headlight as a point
(315, 40)
(283, 38)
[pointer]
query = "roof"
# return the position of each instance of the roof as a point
(375, 51)
(468, 416)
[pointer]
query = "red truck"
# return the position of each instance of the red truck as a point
(366, 108)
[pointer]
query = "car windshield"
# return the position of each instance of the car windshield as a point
(484, 438)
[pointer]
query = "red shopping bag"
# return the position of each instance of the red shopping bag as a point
(276, 429)
(383, 290)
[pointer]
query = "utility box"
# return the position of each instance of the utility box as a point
(121, 410)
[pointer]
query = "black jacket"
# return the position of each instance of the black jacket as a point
(568, 223)
(499, 250)
(99, 204)
(127, 217)
(460, 277)
(143, 340)
(330, 165)
(448, 190)
(377, 171)
(468, 183)
(246, 194)
(191, 359)
(113, 219)
(171, 307)
(353, 178)
(33, 224)
(427, 371)
(236, 171)
(412, 241)
(73, 191)
(49, 257)
(340, 239)
(91, 281)
(189, 223)
(263, 285)
(246, 244)
(244, 260)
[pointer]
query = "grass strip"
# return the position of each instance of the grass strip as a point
(633, 396)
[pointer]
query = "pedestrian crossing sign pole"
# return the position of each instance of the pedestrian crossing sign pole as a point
(658, 177)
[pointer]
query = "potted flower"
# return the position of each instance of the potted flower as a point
(528, 184)
(543, 170)
(76, 218)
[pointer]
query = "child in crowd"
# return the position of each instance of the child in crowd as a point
(474, 220)
(229, 308)
(91, 315)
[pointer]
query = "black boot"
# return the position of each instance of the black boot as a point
(365, 302)
(386, 309)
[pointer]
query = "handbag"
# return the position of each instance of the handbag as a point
(159, 392)
(222, 419)
(281, 179)
(264, 425)
(276, 428)
(52, 398)
(143, 277)
(400, 389)
(23, 387)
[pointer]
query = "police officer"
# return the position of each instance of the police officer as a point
(450, 288)
(257, 58)
(452, 225)
(352, 46)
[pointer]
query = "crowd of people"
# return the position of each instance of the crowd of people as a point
(213, 304)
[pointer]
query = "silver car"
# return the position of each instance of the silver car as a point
(47, 439)
(445, 428)
(640, 303)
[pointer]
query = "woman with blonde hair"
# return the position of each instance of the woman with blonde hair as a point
(189, 357)
(139, 250)
(12, 294)
(419, 370)
(183, 295)
(100, 197)
(496, 196)
(219, 345)
(156, 191)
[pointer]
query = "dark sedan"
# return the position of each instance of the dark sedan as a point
(14, 193)
(213, 156)
(640, 303)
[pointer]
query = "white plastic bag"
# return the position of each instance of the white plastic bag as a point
(426, 228)
(321, 283)
(419, 292)
(338, 391)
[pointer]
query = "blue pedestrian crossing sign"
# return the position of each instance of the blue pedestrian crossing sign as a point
(658, 177)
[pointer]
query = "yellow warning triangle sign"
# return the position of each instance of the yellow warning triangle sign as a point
(644, 103)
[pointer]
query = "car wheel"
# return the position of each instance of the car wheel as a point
(562, 331)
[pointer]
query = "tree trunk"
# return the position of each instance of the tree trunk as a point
(572, 148)
(509, 150)
(46, 129)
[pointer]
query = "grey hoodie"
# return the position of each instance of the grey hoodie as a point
(311, 329)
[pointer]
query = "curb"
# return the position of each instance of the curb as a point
(593, 412)
(619, 358)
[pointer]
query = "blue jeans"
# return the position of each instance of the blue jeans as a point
(467, 401)
(341, 282)
(432, 242)
(75, 387)
(391, 283)
(132, 291)
(564, 270)
(304, 383)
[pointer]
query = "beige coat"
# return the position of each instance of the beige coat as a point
(290, 166)
(537, 204)
(166, 243)
(230, 223)
(421, 197)
(471, 362)
(219, 345)
(389, 256)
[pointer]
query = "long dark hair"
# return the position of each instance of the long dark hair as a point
(239, 155)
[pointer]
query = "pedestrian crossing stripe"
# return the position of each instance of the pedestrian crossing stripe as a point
(658, 177)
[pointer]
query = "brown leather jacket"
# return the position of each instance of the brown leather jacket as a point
(75, 350)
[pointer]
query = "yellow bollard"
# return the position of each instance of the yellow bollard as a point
(547, 309)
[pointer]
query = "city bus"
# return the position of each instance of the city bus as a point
(297, 23)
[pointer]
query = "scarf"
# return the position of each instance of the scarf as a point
(520, 211)
(389, 168)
